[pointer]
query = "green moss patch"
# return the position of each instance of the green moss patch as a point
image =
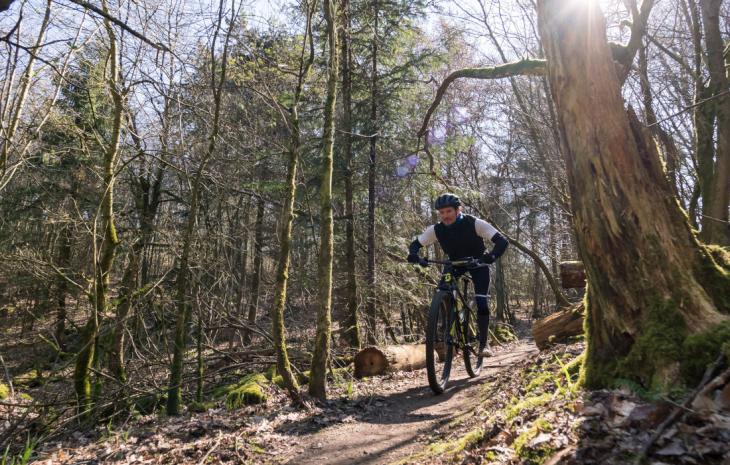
(454, 447)
(4, 391)
(250, 390)
(539, 453)
(31, 378)
(196, 406)
(504, 334)
(517, 406)
(699, 350)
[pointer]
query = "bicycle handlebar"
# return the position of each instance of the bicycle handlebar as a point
(470, 262)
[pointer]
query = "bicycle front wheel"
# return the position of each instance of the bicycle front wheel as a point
(472, 362)
(439, 350)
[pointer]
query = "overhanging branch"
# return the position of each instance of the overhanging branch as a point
(526, 67)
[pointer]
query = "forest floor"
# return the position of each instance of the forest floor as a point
(525, 408)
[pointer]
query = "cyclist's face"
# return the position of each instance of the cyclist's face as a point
(448, 215)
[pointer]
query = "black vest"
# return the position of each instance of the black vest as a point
(460, 240)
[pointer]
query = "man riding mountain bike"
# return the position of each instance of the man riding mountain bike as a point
(462, 236)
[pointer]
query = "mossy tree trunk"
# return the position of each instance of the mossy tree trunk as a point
(278, 332)
(318, 379)
(104, 259)
(652, 285)
(351, 323)
(174, 392)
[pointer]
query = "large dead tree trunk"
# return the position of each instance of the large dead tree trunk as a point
(653, 288)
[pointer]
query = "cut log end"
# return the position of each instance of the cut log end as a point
(572, 275)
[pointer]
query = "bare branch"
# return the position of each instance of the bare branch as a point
(119, 23)
(526, 67)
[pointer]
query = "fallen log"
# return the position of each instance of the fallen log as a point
(572, 275)
(372, 361)
(558, 327)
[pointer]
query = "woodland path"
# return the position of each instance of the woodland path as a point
(407, 412)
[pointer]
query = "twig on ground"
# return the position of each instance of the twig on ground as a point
(210, 451)
(674, 416)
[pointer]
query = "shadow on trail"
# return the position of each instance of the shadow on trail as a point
(391, 425)
(386, 409)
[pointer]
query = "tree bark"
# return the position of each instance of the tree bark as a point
(105, 259)
(372, 167)
(651, 283)
(257, 261)
(318, 380)
(174, 391)
(351, 322)
(716, 173)
(64, 262)
(287, 213)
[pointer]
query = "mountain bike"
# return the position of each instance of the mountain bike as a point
(452, 324)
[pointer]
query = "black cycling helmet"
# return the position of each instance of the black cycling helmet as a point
(447, 200)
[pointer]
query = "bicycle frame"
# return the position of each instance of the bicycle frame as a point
(458, 292)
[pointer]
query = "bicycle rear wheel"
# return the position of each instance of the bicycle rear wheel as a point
(439, 350)
(472, 362)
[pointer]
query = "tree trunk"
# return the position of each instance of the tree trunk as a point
(503, 312)
(373, 361)
(64, 261)
(318, 379)
(257, 261)
(174, 391)
(716, 174)
(651, 283)
(287, 214)
(351, 323)
(127, 290)
(105, 259)
(372, 167)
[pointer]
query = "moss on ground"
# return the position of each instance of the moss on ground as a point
(457, 445)
(31, 378)
(4, 391)
(536, 455)
(249, 390)
(196, 406)
(517, 406)
(538, 380)
(503, 334)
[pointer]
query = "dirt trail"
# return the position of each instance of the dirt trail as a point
(392, 432)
